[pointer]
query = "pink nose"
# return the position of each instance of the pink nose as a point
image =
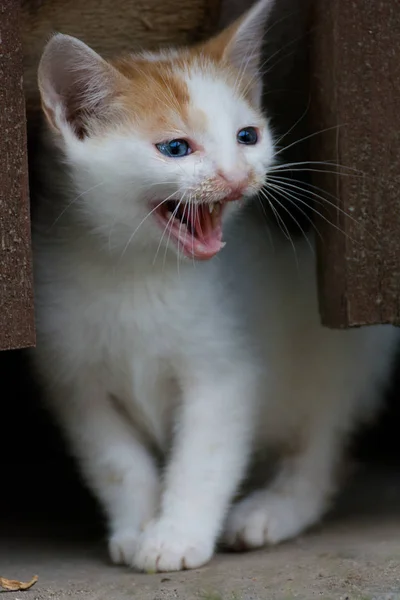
(237, 181)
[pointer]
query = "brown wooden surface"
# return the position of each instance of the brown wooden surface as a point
(111, 27)
(16, 296)
(355, 58)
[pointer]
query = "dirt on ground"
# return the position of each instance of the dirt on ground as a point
(353, 556)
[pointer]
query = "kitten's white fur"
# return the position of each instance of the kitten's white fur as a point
(149, 359)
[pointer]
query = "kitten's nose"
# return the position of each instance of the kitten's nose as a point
(237, 181)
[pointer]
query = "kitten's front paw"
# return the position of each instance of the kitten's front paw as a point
(267, 518)
(123, 545)
(166, 546)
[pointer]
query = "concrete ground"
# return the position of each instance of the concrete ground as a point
(354, 556)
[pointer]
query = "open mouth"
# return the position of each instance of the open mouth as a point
(196, 228)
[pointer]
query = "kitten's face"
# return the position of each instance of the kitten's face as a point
(166, 146)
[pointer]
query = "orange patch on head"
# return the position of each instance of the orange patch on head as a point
(197, 120)
(156, 97)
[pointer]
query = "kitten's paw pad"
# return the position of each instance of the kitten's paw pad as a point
(122, 546)
(166, 547)
(265, 518)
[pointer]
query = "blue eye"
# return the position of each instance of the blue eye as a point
(174, 148)
(247, 136)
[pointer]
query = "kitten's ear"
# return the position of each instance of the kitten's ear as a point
(77, 86)
(241, 43)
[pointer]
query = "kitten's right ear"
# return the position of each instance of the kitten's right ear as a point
(241, 43)
(77, 86)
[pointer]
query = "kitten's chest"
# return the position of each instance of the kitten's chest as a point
(130, 325)
(132, 332)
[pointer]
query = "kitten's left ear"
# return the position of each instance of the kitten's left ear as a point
(77, 87)
(241, 43)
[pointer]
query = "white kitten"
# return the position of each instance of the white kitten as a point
(148, 349)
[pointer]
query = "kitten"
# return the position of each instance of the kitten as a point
(167, 358)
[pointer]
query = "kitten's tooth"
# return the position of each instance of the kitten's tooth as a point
(168, 215)
(215, 214)
(211, 207)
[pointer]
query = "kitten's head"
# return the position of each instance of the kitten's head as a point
(161, 145)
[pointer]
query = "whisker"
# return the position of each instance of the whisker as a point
(97, 185)
(191, 209)
(322, 201)
(172, 217)
(324, 218)
(185, 206)
(282, 225)
(75, 200)
(354, 172)
(197, 216)
(274, 199)
(286, 196)
(143, 220)
(169, 235)
(307, 137)
(261, 205)
(292, 127)
(276, 215)
(306, 185)
(297, 39)
(327, 163)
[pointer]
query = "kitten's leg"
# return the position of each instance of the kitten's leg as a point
(117, 466)
(328, 391)
(296, 498)
(207, 462)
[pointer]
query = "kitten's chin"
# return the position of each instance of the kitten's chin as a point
(195, 229)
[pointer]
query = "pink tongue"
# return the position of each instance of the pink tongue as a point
(206, 249)
(207, 240)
